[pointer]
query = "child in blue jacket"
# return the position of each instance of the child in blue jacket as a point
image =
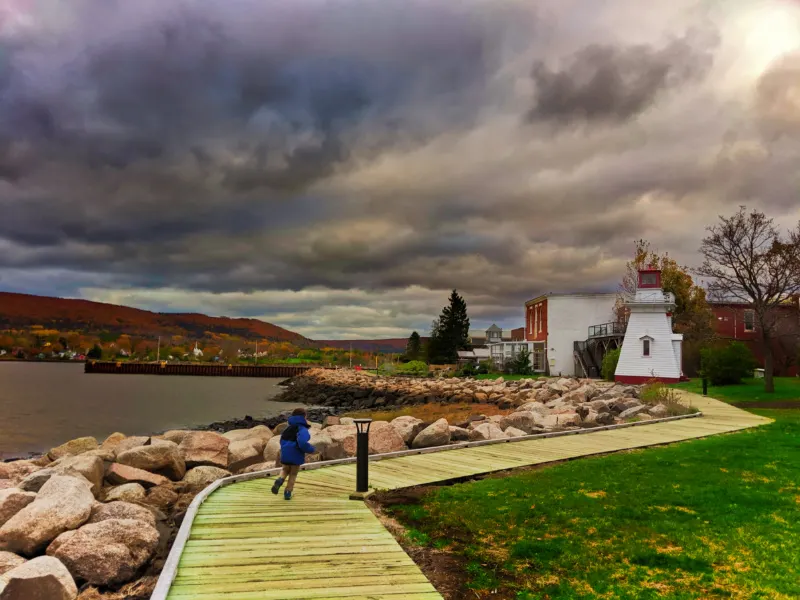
(294, 447)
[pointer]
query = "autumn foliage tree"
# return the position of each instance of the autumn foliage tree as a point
(746, 259)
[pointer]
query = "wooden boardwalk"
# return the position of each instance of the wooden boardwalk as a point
(245, 543)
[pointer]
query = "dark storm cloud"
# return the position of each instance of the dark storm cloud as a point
(604, 82)
(301, 159)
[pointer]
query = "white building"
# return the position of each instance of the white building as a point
(566, 334)
(650, 349)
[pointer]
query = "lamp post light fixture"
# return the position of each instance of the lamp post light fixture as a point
(362, 454)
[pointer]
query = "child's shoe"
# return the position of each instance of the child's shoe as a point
(287, 495)
(277, 485)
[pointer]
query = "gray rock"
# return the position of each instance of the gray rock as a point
(129, 492)
(162, 457)
(106, 553)
(204, 475)
(9, 560)
(121, 510)
(407, 427)
(659, 411)
(633, 411)
(43, 578)
(62, 504)
(458, 434)
(73, 448)
(527, 421)
(13, 500)
(436, 434)
(513, 432)
(487, 431)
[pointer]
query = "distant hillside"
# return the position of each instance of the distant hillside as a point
(393, 346)
(22, 310)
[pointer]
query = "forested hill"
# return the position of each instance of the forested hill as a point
(18, 311)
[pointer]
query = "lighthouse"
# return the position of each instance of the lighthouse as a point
(650, 350)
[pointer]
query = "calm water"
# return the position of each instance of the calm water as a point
(45, 404)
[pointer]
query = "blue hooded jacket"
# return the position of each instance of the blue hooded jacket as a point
(294, 453)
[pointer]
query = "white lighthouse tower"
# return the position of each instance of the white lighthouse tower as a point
(650, 350)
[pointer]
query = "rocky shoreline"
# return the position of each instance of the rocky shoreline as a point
(95, 520)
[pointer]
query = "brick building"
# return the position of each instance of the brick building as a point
(736, 321)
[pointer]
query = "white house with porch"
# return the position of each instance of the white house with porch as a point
(650, 349)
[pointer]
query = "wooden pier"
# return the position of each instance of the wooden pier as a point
(196, 370)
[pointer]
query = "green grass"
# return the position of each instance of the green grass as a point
(751, 390)
(492, 377)
(711, 518)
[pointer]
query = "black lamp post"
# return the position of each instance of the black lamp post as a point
(705, 386)
(362, 454)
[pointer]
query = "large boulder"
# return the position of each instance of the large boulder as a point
(43, 578)
(106, 553)
(121, 510)
(487, 431)
(118, 474)
(326, 446)
(162, 497)
(263, 466)
(204, 475)
(130, 442)
(436, 434)
(127, 492)
(73, 448)
(527, 421)
(17, 470)
(262, 433)
(163, 458)
(9, 560)
(633, 411)
(344, 435)
(273, 449)
(599, 406)
(12, 501)
(513, 432)
(536, 407)
(113, 441)
(90, 467)
(204, 448)
(459, 434)
(559, 421)
(62, 504)
(407, 427)
(244, 453)
(383, 438)
(659, 411)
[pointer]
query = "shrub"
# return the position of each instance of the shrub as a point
(417, 368)
(609, 366)
(656, 392)
(521, 365)
(728, 364)
(468, 370)
(485, 367)
(96, 352)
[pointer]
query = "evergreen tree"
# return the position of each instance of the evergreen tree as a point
(450, 332)
(414, 347)
(96, 352)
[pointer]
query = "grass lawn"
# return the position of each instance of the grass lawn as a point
(752, 390)
(711, 518)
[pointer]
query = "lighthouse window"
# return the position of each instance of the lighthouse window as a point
(649, 279)
(645, 347)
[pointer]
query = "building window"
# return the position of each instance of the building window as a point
(749, 320)
(645, 347)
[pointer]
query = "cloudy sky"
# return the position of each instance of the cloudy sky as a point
(338, 166)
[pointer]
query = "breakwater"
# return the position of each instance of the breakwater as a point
(201, 370)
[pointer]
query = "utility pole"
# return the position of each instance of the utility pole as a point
(256, 353)
(158, 352)
(351, 355)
